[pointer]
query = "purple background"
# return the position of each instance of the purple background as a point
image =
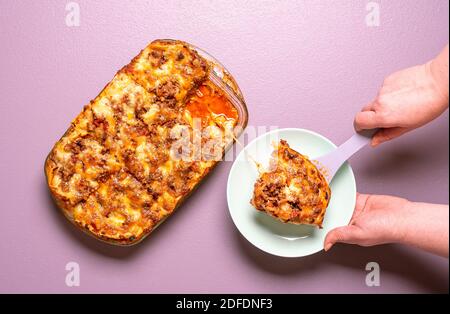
(309, 64)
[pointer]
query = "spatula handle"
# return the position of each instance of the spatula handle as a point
(334, 160)
(354, 144)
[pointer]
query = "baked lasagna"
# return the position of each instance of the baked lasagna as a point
(293, 190)
(143, 144)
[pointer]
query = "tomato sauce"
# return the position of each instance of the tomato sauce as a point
(209, 102)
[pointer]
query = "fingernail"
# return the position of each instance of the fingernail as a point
(328, 247)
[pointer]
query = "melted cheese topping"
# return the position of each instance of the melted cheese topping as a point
(113, 172)
(294, 191)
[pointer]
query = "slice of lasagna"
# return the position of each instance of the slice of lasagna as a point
(293, 190)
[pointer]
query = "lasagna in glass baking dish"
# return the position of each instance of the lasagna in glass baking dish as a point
(136, 151)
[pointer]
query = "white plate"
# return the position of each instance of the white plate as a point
(267, 233)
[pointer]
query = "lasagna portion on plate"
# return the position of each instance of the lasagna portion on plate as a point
(293, 190)
(127, 160)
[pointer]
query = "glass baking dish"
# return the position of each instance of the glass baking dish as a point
(225, 82)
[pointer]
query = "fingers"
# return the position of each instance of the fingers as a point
(350, 233)
(387, 134)
(347, 234)
(371, 119)
(365, 120)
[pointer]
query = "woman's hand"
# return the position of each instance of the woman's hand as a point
(375, 221)
(380, 219)
(408, 99)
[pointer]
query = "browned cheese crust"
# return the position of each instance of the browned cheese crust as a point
(112, 173)
(294, 190)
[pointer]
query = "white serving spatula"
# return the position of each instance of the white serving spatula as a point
(330, 163)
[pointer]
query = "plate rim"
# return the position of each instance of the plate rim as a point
(234, 165)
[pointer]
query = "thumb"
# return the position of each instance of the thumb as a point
(346, 234)
(367, 120)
